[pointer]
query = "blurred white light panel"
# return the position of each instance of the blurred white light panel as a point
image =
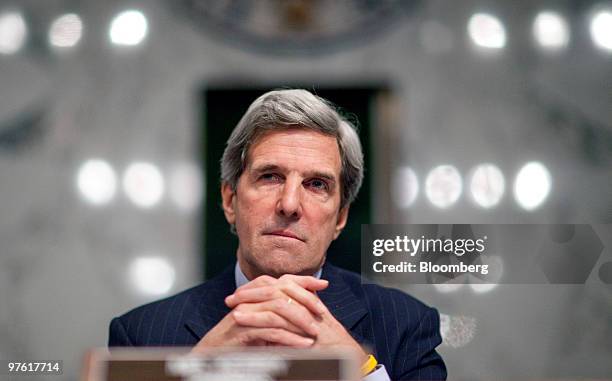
(601, 29)
(186, 187)
(66, 31)
(128, 28)
(152, 275)
(550, 30)
(143, 184)
(487, 31)
(97, 182)
(532, 185)
(443, 186)
(405, 187)
(487, 185)
(13, 32)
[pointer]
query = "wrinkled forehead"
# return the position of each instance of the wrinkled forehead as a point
(300, 147)
(269, 136)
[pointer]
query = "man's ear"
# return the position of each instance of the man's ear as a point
(227, 197)
(341, 222)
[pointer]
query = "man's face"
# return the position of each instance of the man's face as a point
(286, 206)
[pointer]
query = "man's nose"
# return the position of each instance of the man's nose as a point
(290, 199)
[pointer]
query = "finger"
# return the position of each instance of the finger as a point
(253, 295)
(288, 309)
(306, 298)
(265, 319)
(264, 280)
(289, 289)
(308, 282)
(293, 312)
(276, 336)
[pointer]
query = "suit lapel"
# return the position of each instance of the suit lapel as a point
(341, 300)
(211, 306)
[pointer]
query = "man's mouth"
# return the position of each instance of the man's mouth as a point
(284, 233)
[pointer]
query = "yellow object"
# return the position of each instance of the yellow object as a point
(369, 365)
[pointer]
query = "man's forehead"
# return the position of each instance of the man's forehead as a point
(307, 149)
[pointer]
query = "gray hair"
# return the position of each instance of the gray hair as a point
(297, 108)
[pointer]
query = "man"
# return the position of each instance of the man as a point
(291, 169)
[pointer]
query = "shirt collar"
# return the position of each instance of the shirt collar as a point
(241, 279)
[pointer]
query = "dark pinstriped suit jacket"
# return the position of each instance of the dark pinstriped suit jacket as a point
(402, 332)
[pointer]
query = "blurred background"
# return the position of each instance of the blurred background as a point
(113, 115)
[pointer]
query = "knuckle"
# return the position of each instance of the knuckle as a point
(286, 285)
(260, 279)
(240, 308)
(279, 305)
(306, 317)
(267, 279)
(305, 322)
(275, 334)
(243, 337)
(238, 294)
(269, 318)
(311, 300)
(269, 292)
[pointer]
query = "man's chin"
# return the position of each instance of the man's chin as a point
(277, 269)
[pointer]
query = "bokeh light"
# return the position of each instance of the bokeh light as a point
(601, 29)
(443, 186)
(550, 30)
(97, 182)
(13, 32)
(143, 184)
(487, 31)
(66, 31)
(490, 281)
(152, 275)
(448, 287)
(487, 185)
(128, 28)
(532, 185)
(185, 186)
(405, 187)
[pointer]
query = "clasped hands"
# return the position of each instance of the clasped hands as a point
(279, 312)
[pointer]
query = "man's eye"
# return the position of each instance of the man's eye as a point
(269, 177)
(318, 184)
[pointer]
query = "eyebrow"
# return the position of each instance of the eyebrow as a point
(274, 167)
